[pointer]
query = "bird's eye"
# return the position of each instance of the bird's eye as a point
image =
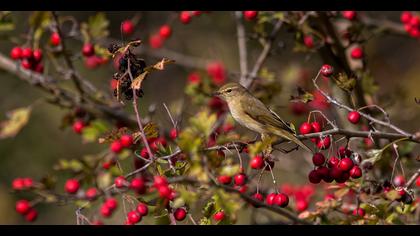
(229, 90)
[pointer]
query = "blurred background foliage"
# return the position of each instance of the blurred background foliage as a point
(394, 62)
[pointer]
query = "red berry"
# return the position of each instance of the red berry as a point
(305, 128)
(343, 152)
(250, 15)
(343, 178)
(219, 216)
(218, 73)
(111, 203)
(399, 181)
(323, 172)
(126, 140)
(25, 63)
(316, 127)
(144, 153)
(414, 32)
(28, 182)
(318, 159)
(224, 179)
(27, 53)
(196, 13)
(270, 198)
(16, 53)
(39, 68)
(127, 27)
(164, 191)
(194, 78)
(155, 41)
(72, 185)
(324, 143)
(55, 39)
(240, 179)
(406, 17)
(418, 182)
(133, 217)
(116, 146)
(159, 181)
(258, 196)
(415, 21)
(88, 50)
(349, 15)
(335, 172)
(257, 162)
(353, 117)
(355, 172)
(173, 134)
(23, 206)
(327, 70)
(359, 212)
(308, 41)
(78, 126)
(185, 17)
(346, 164)
(356, 53)
(17, 184)
(301, 205)
(242, 189)
(37, 55)
(105, 211)
(91, 193)
(31, 215)
(138, 185)
(180, 214)
(120, 182)
(165, 31)
(333, 162)
(142, 209)
(314, 177)
(281, 200)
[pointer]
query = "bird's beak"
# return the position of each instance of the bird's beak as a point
(217, 93)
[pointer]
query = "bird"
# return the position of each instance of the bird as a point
(253, 114)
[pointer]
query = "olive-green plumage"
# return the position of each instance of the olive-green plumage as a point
(250, 112)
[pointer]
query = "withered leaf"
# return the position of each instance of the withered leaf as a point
(160, 65)
(18, 118)
(303, 96)
(136, 84)
(344, 82)
(150, 130)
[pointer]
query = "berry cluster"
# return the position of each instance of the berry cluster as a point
(339, 168)
(118, 145)
(314, 127)
(186, 16)
(29, 59)
(217, 72)
(20, 184)
(239, 181)
(91, 60)
(276, 199)
(301, 194)
(24, 208)
(411, 24)
(137, 66)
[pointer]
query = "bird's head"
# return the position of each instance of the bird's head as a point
(230, 90)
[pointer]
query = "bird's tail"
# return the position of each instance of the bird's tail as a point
(292, 137)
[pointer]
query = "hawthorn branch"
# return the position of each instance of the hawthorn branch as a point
(367, 116)
(243, 61)
(139, 122)
(412, 179)
(263, 55)
(246, 197)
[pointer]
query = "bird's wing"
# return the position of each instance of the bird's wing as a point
(264, 115)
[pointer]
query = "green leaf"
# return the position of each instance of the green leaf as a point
(98, 26)
(204, 221)
(104, 180)
(344, 82)
(230, 170)
(7, 26)
(17, 119)
(373, 155)
(208, 209)
(95, 129)
(162, 219)
(369, 85)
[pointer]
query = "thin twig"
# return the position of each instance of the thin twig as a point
(243, 57)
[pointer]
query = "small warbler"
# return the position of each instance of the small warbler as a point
(250, 112)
